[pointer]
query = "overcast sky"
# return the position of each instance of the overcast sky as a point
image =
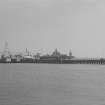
(43, 25)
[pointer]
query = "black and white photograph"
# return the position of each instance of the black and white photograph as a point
(52, 52)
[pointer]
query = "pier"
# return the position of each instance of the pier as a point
(55, 58)
(56, 61)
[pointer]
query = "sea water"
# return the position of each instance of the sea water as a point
(52, 84)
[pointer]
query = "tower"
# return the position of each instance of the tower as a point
(70, 53)
(56, 53)
(6, 47)
(6, 52)
(27, 52)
